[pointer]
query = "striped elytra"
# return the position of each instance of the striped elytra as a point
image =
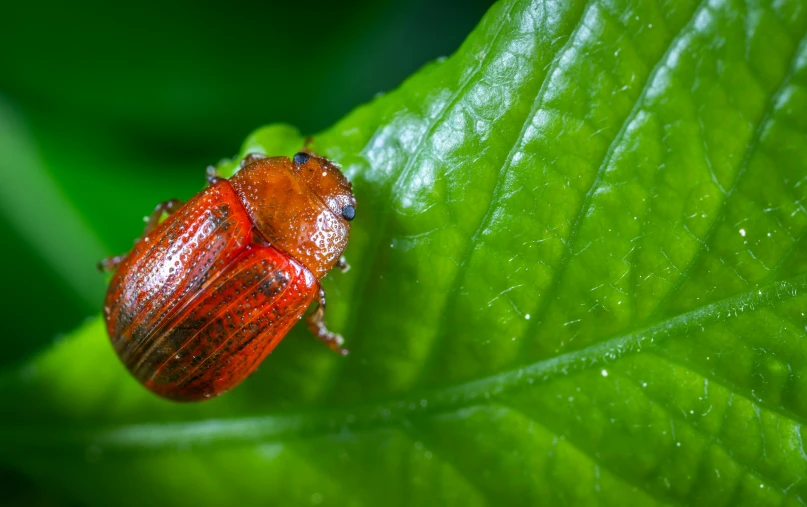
(204, 296)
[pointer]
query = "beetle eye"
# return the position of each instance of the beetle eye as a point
(301, 158)
(348, 212)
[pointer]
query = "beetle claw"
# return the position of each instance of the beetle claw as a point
(211, 176)
(153, 220)
(316, 324)
(342, 264)
(109, 263)
(250, 158)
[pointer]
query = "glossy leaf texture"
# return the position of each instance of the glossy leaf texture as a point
(579, 278)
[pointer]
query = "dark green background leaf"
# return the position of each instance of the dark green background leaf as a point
(579, 278)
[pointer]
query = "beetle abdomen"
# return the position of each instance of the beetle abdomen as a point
(231, 327)
(166, 269)
(195, 306)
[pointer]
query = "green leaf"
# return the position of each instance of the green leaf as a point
(63, 240)
(579, 277)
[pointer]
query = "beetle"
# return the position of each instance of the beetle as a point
(205, 295)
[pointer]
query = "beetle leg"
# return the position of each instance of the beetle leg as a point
(169, 207)
(250, 158)
(316, 324)
(342, 264)
(110, 263)
(164, 207)
(211, 176)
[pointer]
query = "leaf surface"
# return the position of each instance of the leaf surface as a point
(579, 277)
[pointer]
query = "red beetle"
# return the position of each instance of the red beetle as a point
(204, 296)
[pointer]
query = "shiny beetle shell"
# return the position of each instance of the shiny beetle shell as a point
(204, 296)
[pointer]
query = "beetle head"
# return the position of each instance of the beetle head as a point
(302, 206)
(326, 181)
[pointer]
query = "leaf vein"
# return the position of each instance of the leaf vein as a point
(715, 439)
(598, 462)
(587, 200)
(755, 139)
(503, 171)
(361, 289)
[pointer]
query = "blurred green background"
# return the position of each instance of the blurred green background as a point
(109, 108)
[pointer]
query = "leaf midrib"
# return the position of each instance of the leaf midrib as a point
(170, 435)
